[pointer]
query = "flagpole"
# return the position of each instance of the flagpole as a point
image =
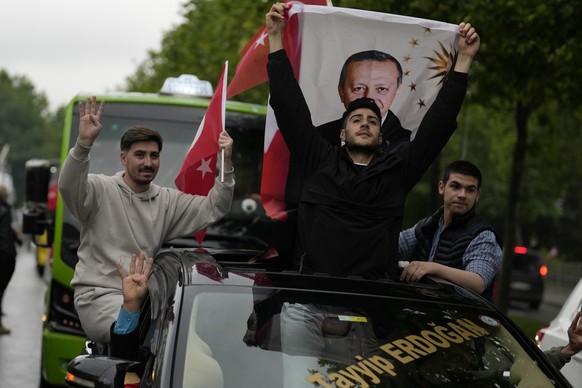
(222, 165)
(224, 88)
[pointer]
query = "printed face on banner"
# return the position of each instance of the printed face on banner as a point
(398, 61)
(373, 78)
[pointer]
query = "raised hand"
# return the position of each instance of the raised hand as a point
(469, 41)
(275, 22)
(89, 121)
(575, 335)
(225, 143)
(134, 285)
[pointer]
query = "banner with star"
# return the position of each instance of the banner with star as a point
(252, 68)
(425, 50)
(198, 170)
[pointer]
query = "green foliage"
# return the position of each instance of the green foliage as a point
(26, 125)
(529, 326)
(530, 51)
(213, 32)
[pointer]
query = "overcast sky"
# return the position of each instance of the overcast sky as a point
(67, 46)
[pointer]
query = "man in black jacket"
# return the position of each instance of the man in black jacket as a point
(7, 250)
(455, 243)
(352, 200)
(373, 74)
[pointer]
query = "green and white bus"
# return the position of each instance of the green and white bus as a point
(177, 118)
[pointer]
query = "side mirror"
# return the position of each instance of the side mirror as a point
(35, 219)
(37, 181)
(34, 222)
(97, 371)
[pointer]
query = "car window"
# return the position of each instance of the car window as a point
(243, 338)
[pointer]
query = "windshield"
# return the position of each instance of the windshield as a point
(244, 338)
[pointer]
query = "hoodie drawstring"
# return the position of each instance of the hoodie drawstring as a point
(151, 208)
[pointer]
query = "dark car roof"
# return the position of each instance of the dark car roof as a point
(215, 314)
(198, 267)
(178, 271)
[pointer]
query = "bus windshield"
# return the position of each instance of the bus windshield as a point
(178, 126)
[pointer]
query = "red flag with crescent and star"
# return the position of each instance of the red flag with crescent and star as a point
(198, 171)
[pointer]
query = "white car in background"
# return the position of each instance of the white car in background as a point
(556, 334)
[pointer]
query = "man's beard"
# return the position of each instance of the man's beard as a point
(362, 149)
(144, 181)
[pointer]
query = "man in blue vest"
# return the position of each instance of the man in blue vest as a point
(455, 243)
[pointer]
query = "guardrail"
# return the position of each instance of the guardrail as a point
(563, 274)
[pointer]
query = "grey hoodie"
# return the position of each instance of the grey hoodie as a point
(116, 222)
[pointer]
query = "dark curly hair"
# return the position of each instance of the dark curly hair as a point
(140, 133)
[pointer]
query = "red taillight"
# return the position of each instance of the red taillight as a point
(52, 197)
(520, 250)
(543, 270)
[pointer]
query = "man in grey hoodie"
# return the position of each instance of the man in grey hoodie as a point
(126, 213)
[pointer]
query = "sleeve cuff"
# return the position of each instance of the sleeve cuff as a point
(458, 74)
(277, 54)
(229, 177)
(126, 322)
(80, 152)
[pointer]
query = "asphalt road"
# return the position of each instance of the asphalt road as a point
(23, 306)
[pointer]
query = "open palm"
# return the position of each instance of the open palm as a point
(90, 120)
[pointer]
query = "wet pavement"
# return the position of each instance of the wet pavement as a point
(23, 306)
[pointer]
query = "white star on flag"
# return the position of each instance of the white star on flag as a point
(205, 167)
(252, 68)
(261, 40)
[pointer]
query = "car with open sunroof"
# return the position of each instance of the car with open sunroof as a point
(230, 318)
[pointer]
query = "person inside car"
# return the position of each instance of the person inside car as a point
(124, 336)
(352, 199)
(455, 243)
(127, 212)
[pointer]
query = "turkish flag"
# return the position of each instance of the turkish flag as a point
(317, 44)
(276, 154)
(252, 68)
(198, 171)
